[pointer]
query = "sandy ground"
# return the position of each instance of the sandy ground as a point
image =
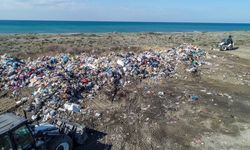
(141, 119)
(242, 52)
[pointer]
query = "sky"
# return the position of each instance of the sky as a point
(128, 10)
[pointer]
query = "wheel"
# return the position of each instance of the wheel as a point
(224, 48)
(60, 143)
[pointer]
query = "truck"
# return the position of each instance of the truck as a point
(19, 133)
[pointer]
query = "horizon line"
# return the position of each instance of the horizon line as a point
(123, 21)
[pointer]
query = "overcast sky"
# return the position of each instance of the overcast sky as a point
(127, 10)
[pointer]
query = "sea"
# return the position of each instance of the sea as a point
(24, 27)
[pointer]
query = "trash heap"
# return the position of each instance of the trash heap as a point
(63, 81)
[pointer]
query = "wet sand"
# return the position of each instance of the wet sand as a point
(139, 119)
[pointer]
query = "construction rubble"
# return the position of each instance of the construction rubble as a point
(62, 82)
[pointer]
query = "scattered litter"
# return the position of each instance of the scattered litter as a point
(194, 98)
(203, 91)
(145, 108)
(161, 93)
(97, 114)
(72, 107)
(63, 81)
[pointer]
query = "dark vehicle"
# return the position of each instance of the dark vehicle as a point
(17, 133)
(226, 44)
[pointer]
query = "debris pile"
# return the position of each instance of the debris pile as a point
(65, 81)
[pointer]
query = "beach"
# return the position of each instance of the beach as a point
(156, 114)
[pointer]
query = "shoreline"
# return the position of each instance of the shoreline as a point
(89, 33)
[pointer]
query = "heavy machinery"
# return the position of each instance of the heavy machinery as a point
(226, 44)
(18, 133)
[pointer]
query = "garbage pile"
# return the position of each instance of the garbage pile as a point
(64, 81)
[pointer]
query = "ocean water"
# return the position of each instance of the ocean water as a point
(98, 27)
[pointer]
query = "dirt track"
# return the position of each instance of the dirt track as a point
(141, 119)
